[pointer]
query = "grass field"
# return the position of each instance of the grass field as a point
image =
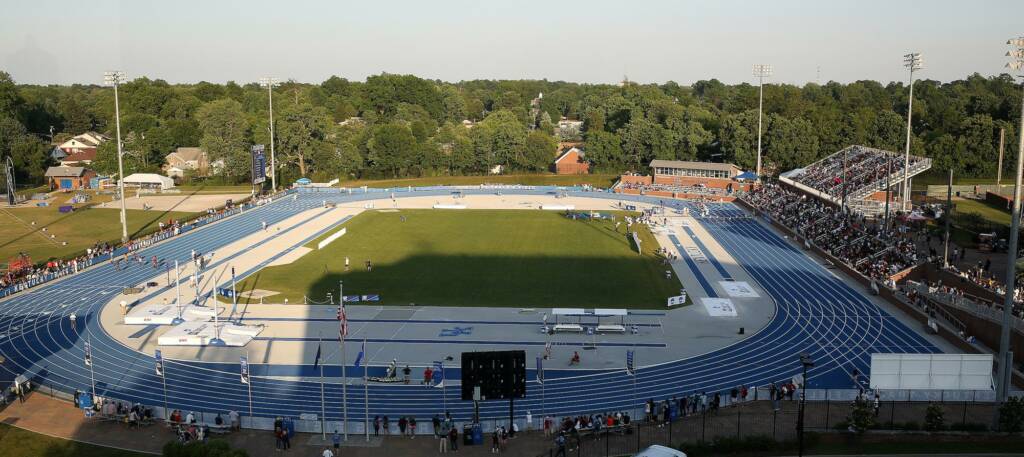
(596, 180)
(15, 442)
(80, 229)
(515, 258)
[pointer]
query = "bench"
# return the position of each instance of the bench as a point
(611, 328)
(568, 328)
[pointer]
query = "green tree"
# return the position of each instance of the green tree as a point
(301, 131)
(604, 150)
(539, 151)
(392, 148)
(226, 136)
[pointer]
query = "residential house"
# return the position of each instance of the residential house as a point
(81, 149)
(186, 159)
(568, 128)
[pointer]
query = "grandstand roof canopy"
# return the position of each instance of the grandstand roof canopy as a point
(693, 165)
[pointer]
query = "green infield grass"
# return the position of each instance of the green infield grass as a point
(80, 229)
(512, 258)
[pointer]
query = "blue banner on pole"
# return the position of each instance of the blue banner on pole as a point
(159, 359)
(540, 370)
(226, 292)
(630, 368)
(88, 354)
(244, 367)
(259, 164)
(371, 297)
(351, 298)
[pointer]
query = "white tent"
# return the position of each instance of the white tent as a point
(149, 181)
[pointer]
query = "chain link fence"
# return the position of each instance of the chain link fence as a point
(760, 419)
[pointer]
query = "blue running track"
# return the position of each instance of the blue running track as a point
(815, 312)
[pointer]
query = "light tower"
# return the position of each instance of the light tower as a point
(761, 71)
(115, 78)
(1005, 360)
(270, 83)
(913, 62)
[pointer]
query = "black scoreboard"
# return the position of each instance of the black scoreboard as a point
(501, 375)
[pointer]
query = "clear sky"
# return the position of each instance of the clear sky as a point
(74, 41)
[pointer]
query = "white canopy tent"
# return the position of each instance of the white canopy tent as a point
(148, 181)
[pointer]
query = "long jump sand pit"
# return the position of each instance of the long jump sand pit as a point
(193, 203)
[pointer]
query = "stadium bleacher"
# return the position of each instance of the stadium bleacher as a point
(866, 171)
(865, 246)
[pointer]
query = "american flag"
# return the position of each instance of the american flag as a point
(343, 320)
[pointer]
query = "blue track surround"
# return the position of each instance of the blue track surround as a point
(815, 313)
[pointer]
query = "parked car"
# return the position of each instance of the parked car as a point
(660, 451)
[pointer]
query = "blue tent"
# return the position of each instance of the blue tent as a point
(746, 175)
(303, 181)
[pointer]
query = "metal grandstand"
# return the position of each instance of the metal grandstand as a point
(866, 171)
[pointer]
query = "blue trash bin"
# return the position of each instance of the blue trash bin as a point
(478, 434)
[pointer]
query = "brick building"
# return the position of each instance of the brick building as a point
(572, 162)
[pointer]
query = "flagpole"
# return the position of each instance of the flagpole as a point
(636, 374)
(543, 407)
(163, 377)
(249, 385)
(323, 407)
(344, 378)
(366, 390)
(177, 288)
(92, 372)
(234, 293)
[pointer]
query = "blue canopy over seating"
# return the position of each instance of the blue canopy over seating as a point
(746, 176)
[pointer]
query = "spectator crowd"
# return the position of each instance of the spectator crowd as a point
(864, 168)
(870, 248)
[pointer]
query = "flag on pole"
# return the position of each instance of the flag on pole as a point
(342, 320)
(362, 352)
(88, 354)
(540, 370)
(159, 359)
(630, 368)
(316, 358)
(244, 367)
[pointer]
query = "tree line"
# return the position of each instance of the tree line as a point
(410, 126)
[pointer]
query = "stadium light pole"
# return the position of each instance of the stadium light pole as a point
(761, 71)
(806, 362)
(270, 83)
(115, 78)
(1003, 377)
(913, 62)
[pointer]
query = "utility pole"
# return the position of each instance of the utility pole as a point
(115, 78)
(949, 217)
(999, 168)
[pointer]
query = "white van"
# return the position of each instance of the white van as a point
(660, 451)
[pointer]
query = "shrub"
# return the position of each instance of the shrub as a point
(212, 448)
(1011, 415)
(862, 417)
(968, 427)
(934, 420)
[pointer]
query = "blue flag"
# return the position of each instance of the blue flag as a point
(630, 368)
(316, 359)
(362, 350)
